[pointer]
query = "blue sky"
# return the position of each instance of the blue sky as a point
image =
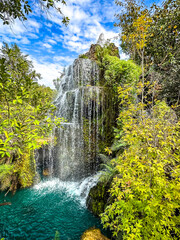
(51, 45)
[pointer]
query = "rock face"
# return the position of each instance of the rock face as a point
(92, 53)
(101, 40)
(98, 198)
(93, 234)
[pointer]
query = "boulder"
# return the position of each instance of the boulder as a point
(93, 234)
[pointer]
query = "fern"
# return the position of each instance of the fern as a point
(108, 169)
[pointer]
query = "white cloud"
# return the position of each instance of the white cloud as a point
(48, 71)
(48, 25)
(20, 32)
(47, 45)
(85, 24)
(24, 40)
(66, 59)
(32, 35)
(34, 24)
(124, 56)
(80, 2)
(52, 41)
(17, 29)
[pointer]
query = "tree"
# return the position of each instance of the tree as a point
(144, 197)
(163, 49)
(130, 11)
(145, 192)
(26, 118)
(19, 9)
(138, 39)
(160, 31)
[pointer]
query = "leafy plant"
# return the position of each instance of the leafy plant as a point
(150, 37)
(26, 118)
(119, 72)
(145, 190)
(83, 56)
(17, 9)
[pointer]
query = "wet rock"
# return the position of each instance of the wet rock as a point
(98, 198)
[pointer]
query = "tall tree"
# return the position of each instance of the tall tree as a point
(161, 42)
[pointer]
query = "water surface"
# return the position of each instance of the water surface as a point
(36, 213)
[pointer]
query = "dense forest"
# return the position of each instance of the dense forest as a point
(137, 196)
(144, 171)
(142, 165)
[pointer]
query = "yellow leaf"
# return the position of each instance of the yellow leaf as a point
(6, 134)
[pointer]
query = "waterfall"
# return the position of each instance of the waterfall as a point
(78, 101)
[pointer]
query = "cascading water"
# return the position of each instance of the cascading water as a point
(78, 102)
(74, 158)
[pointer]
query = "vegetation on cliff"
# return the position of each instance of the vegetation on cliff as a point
(144, 198)
(114, 72)
(145, 189)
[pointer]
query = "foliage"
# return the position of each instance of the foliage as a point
(119, 72)
(138, 38)
(130, 10)
(151, 37)
(26, 118)
(115, 72)
(101, 52)
(146, 189)
(164, 46)
(83, 56)
(19, 9)
(108, 170)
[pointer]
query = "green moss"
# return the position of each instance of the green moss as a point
(83, 56)
(26, 169)
(98, 198)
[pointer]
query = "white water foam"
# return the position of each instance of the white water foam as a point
(80, 189)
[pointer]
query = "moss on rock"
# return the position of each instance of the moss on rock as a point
(98, 198)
